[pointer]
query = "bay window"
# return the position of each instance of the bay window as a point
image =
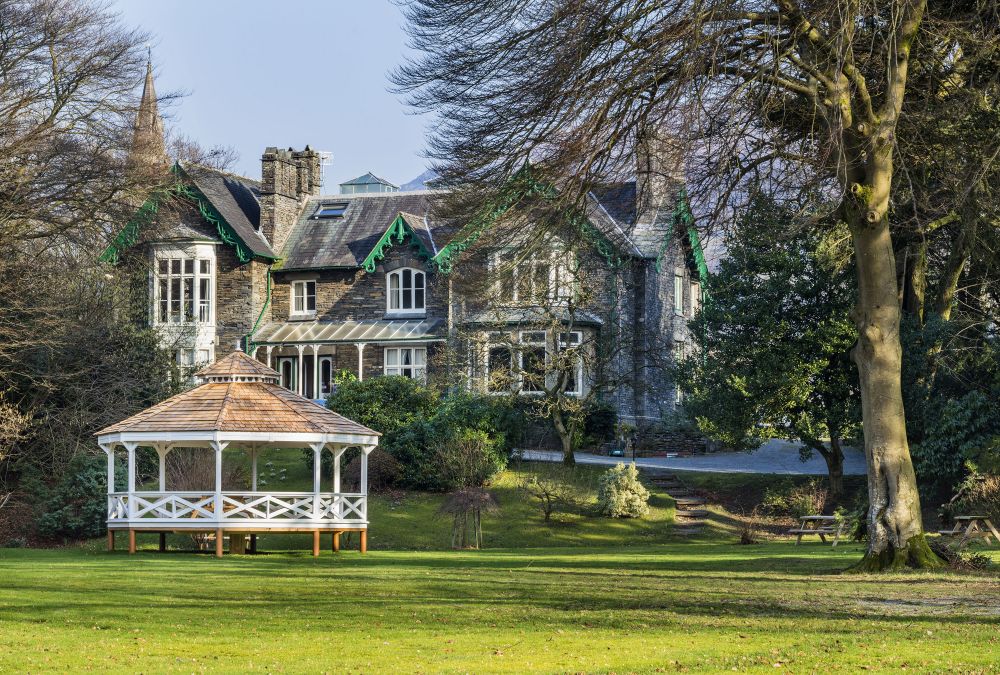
(183, 290)
(405, 291)
(532, 355)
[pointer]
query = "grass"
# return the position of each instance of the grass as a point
(406, 520)
(692, 606)
(582, 594)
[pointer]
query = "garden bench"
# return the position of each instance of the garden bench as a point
(821, 525)
(971, 527)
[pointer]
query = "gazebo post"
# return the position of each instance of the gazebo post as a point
(161, 451)
(317, 449)
(365, 451)
(109, 450)
(253, 467)
(218, 447)
(130, 447)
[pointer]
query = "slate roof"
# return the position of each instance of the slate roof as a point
(234, 406)
(237, 199)
(347, 241)
(527, 316)
(613, 210)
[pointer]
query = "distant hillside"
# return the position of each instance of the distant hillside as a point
(420, 182)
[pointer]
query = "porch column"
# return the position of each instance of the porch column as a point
(268, 357)
(361, 360)
(316, 394)
(301, 385)
(317, 449)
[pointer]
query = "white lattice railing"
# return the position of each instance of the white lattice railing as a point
(187, 508)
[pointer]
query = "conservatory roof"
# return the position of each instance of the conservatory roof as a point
(326, 332)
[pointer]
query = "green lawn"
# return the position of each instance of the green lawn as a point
(411, 520)
(690, 606)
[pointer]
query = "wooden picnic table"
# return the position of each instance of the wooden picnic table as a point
(821, 525)
(972, 527)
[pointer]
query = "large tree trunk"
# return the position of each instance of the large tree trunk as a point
(835, 469)
(565, 437)
(895, 529)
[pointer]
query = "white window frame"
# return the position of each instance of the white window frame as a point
(324, 360)
(576, 342)
(304, 285)
(395, 354)
(202, 299)
(561, 286)
(525, 339)
(495, 343)
(679, 292)
(293, 380)
(401, 292)
(695, 298)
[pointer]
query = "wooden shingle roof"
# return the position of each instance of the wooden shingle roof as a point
(227, 403)
(237, 364)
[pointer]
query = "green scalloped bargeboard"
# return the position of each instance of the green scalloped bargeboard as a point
(521, 186)
(400, 231)
(129, 235)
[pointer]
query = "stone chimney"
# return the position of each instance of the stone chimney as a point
(287, 178)
(659, 172)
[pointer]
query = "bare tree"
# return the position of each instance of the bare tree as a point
(73, 352)
(783, 95)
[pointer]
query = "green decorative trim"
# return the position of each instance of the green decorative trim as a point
(147, 212)
(250, 345)
(129, 235)
(399, 230)
(522, 185)
(683, 217)
(209, 213)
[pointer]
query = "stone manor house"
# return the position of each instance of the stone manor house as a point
(359, 280)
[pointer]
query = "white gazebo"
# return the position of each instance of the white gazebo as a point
(239, 406)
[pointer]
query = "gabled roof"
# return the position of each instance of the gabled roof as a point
(237, 199)
(348, 241)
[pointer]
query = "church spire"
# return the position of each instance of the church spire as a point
(148, 147)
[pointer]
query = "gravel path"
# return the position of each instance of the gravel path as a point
(777, 457)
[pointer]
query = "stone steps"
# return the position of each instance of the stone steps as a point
(690, 513)
(683, 502)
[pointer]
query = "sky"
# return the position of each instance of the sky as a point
(286, 73)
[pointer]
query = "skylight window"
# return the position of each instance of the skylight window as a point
(331, 210)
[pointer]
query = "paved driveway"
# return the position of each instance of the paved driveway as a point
(780, 457)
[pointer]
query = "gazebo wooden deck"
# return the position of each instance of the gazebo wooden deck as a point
(239, 406)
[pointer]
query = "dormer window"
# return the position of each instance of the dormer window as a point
(303, 298)
(330, 210)
(405, 291)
